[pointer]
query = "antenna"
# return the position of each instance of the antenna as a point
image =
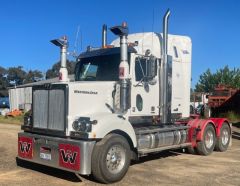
(74, 54)
(81, 39)
(76, 46)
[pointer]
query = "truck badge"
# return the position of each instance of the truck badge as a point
(25, 147)
(85, 92)
(69, 156)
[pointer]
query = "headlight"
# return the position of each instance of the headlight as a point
(82, 124)
(27, 120)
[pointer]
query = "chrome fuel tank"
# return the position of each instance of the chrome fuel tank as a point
(161, 139)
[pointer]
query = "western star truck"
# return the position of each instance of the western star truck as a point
(129, 99)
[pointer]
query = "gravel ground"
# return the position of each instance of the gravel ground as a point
(166, 168)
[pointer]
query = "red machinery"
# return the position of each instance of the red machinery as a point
(220, 95)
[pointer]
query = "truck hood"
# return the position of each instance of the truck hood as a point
(86, 98)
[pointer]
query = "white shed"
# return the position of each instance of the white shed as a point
(20, 97)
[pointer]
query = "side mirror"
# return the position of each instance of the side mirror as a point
(146, 70)
(151, 67)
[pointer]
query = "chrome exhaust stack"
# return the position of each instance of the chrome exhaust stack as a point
(122, 32)
(165, 90)
(63, 44)
(104, 36)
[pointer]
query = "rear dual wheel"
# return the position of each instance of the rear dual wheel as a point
(206, 146)
(191, 150)
(209, 142)
(224, 138)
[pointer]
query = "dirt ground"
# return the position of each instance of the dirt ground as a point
(166, 168)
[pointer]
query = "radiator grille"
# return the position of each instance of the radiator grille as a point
(40, 108)
(49, 109)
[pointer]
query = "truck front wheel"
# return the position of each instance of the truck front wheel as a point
(110, 158)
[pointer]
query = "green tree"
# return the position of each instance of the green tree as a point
(3, 79)
(3, 82)
(16, 75)
(54, 71)
(33, 76)
(225, 76)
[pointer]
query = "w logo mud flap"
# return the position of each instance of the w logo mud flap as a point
(69, 156)
(25, 147)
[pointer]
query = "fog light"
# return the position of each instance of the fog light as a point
(76, 125)
(82, 124)
(27, 120)
(88, 127)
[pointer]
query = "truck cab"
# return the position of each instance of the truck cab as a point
(129, 99)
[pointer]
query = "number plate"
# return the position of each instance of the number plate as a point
(45, 153)
(45, 156)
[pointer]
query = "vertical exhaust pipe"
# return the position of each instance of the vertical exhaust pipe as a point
(164, 88)
(122, 32)
(104, 36)
(63, 44)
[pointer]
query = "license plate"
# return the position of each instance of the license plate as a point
(45, 156)
(45, 153)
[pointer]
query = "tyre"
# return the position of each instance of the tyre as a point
(224, 138)
(191, 150)
(111, 158)
(206, 146)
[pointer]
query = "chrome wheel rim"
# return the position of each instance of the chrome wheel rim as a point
(209, 139)
(225, 137)
(115, 159)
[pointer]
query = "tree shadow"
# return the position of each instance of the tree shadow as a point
(149, 157)
(58, 173)
(237, 124)
(157, 155)
(236, 135)
(69, 176)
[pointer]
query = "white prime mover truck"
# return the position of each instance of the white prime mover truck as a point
(129, 99)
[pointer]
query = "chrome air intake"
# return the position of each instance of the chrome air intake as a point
(104, 36)
(165, 89)
(63, 44)
(124, 81)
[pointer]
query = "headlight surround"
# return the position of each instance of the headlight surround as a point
(82, 124)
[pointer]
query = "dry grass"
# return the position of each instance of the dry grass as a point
(12, 120)
(232, 116)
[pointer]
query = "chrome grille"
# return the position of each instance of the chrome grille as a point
(49, 108)
(56, 110)
(40, 108)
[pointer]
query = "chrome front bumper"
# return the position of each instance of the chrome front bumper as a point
(67, 154)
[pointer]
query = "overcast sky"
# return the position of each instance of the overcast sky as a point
(27, 26)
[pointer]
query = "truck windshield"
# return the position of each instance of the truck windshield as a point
(98, 68)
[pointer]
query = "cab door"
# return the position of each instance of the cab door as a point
(145, 86)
